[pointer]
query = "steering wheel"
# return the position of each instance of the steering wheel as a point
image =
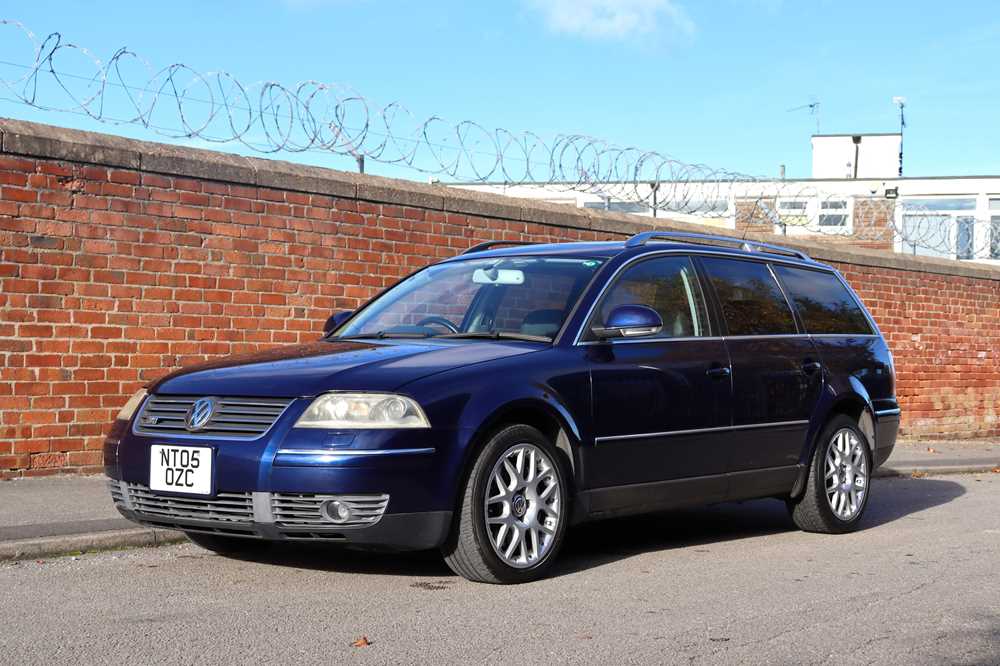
(440, 321)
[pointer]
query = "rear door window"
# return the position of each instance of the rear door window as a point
(750, 298)
(824, 303)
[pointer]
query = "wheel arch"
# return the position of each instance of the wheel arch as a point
(853, 403)
(554, 423)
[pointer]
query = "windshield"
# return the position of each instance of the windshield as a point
(514, 297)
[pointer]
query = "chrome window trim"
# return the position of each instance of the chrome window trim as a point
(767, 336)
(650, 340)
(690, 338)
(694, 431)
(699, 252)
(843, 335)
(343, 453)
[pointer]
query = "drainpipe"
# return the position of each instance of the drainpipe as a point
(857, 149)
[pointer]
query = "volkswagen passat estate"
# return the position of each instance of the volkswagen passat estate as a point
(486, 403)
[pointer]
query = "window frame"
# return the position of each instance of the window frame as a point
(714, 309)
(873, 329)
(710, 323)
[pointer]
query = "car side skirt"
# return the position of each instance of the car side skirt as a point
(610, 502)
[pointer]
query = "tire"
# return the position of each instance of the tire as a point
(531, 529)
(229, 546)
(816, 510)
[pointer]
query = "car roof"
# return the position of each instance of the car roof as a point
(644, 243)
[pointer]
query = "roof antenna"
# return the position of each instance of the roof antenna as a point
(813, 107)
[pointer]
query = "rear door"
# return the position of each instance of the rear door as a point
(662, 402)
(777, 376)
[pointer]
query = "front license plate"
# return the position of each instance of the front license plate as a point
(180, 469)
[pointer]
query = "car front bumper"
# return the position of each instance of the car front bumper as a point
(283, 517)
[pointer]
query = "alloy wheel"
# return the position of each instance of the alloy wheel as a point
(523, 505)
(846, 474)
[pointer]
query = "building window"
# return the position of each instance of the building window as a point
(619, 206)
(995, 237)
(793, 213)
(833, 214)
(965, 237)
(941, 204)
(938, 227)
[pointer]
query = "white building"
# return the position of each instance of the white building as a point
(855, 194)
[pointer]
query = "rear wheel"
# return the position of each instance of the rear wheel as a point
(514, 510)
(837, 491)
(229, 546)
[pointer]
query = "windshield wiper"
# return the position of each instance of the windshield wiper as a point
(382, 335)
(496, 335)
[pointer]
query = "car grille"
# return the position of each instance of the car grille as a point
(224, 507)
(234, 418)
(294, 511)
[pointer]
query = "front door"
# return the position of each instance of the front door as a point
(660, 402)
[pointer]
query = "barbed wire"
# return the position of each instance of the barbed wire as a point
(180, 102)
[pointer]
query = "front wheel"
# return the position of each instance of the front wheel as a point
(514, 510)
(837, 491)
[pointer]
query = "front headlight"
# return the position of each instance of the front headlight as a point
(363, 410)
(133, 404)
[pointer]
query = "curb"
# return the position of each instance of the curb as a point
(934, 470)
(72, 543)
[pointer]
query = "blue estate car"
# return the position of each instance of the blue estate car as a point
(486, 403)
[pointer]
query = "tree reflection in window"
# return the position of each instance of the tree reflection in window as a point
(751, 301)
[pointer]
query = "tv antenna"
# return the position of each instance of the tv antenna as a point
(813, 108)
(901, 103)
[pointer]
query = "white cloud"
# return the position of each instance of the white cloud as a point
(612, 19)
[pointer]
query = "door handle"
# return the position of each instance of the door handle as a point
(718, 371)
(810, 367)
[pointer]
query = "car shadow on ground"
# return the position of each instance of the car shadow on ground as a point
(596, 544)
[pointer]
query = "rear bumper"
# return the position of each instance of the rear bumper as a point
(886, 430)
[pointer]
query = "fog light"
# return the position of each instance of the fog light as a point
(335, 511)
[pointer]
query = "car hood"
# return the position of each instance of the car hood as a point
(310, 369)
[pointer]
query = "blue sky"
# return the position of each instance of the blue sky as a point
(707, 81)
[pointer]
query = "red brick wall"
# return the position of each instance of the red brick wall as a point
(944, 333)
(113, 276)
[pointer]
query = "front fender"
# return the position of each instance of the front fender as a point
(551, 393)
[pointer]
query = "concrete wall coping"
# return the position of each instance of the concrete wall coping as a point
(29, 139)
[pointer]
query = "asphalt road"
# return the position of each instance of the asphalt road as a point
(919, 584)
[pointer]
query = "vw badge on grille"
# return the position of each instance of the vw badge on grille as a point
(199, 414)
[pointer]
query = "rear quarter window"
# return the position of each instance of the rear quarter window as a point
(823, 302)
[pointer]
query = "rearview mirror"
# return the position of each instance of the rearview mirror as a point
(335, 320)
(630, 321)
(498, 276)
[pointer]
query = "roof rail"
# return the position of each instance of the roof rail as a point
(711, 239)
(494, 243)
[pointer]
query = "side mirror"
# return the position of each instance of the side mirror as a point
(630, 321)
(335, 320)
